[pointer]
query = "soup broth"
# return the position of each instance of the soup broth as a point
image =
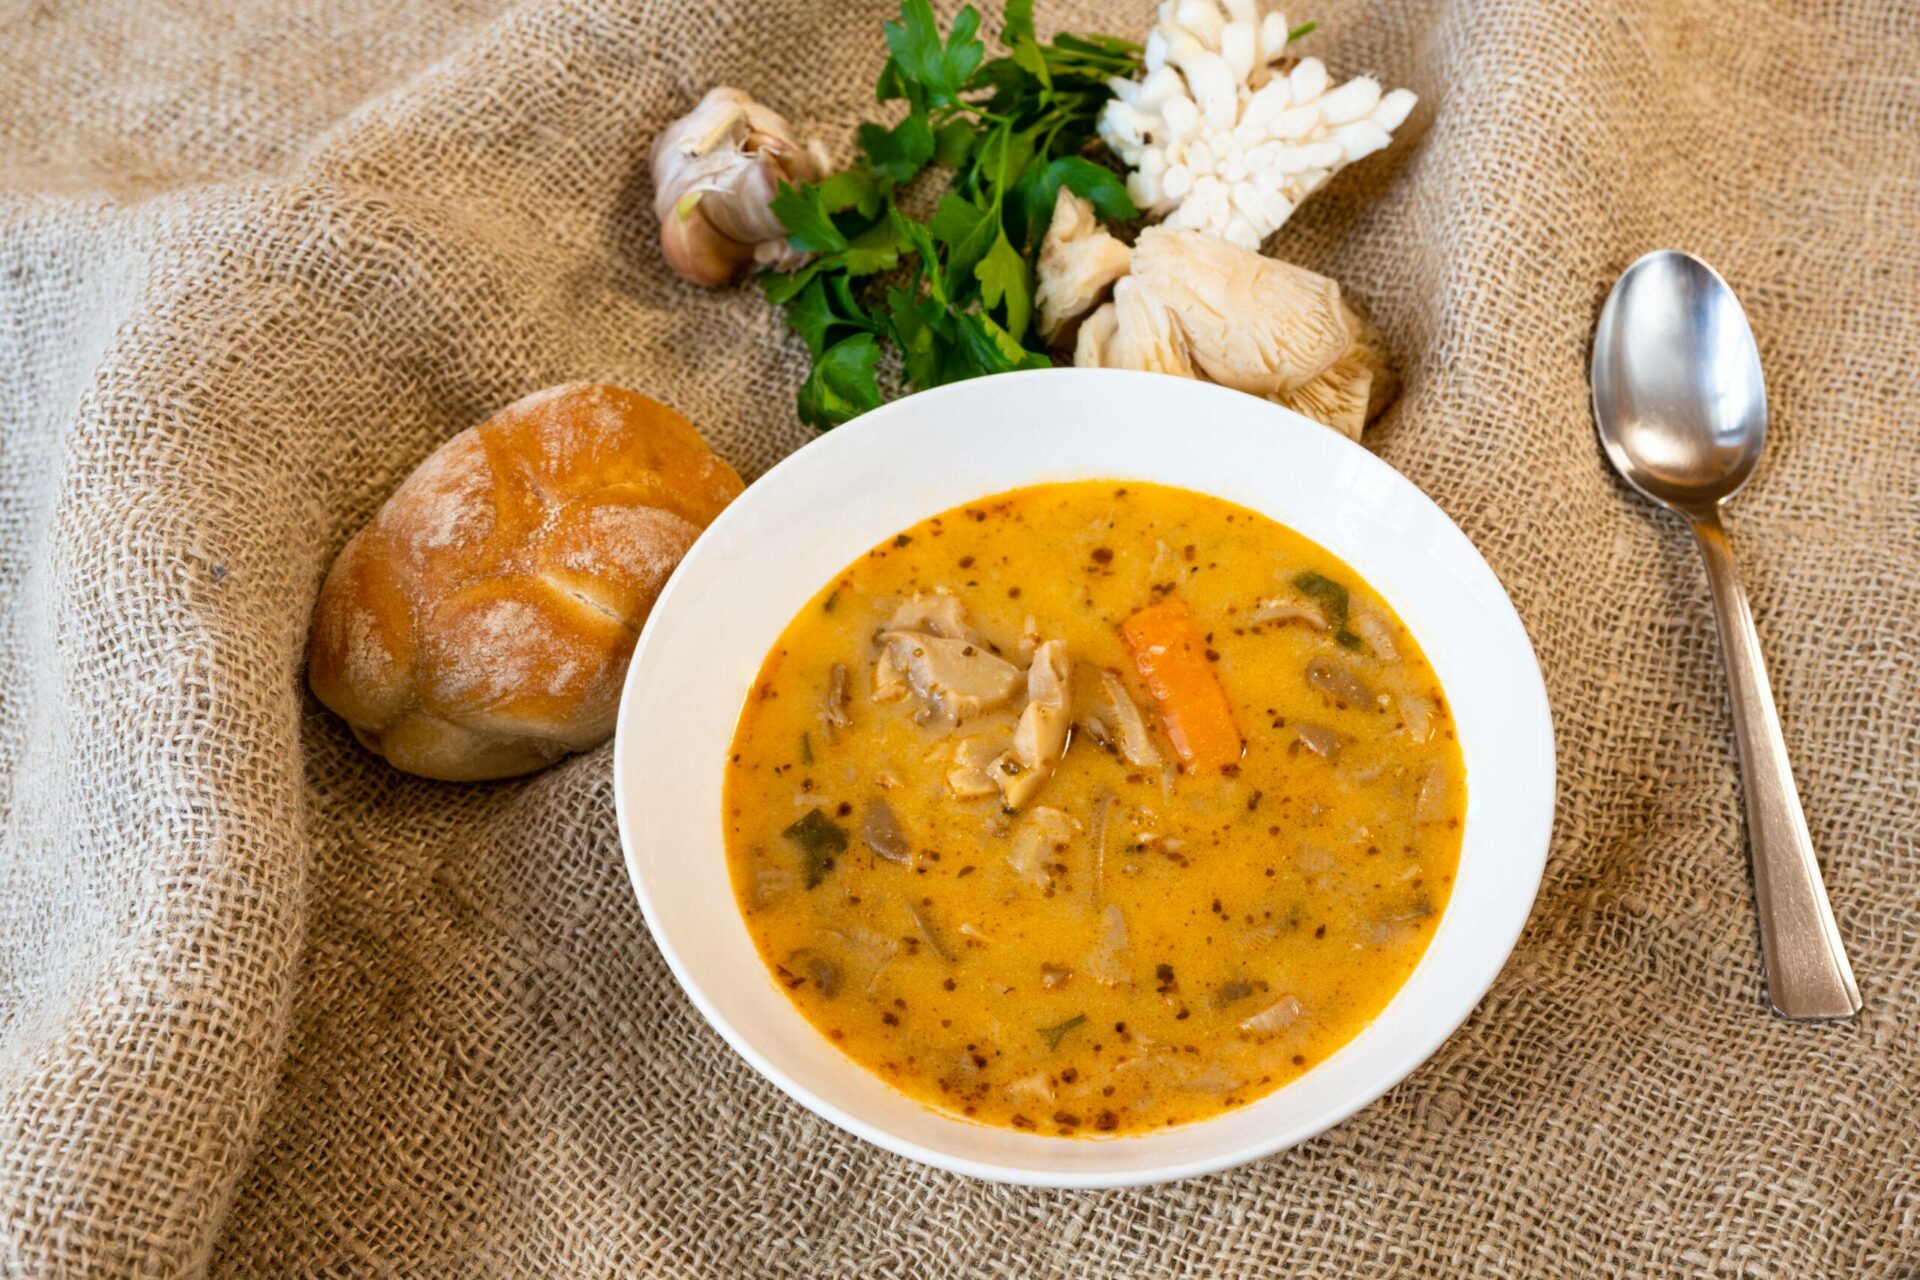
(1093, 808)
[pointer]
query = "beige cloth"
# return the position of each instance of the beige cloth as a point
(268, 1007)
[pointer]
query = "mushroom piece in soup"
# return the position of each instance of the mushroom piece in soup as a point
(1094, 808)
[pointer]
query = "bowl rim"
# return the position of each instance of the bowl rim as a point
(1532, 858)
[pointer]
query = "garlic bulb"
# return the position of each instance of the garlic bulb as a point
(715, 171)
(1220, 139)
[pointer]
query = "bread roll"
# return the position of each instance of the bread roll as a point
(480, 626)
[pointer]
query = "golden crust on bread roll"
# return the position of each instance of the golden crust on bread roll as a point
(480, 626)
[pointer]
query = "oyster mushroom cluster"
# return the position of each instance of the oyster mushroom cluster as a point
(1195, 305)
(1223, 136)
(1223, 131)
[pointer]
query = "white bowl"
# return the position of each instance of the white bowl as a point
(810, 516)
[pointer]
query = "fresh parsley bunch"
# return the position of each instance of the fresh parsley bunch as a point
(1012, 129)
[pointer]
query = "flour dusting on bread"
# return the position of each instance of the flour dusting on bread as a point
(519, 561)
(447, 502)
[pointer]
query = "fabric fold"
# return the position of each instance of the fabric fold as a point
(268, 1007)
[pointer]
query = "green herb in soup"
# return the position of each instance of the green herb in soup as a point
(1094, 808)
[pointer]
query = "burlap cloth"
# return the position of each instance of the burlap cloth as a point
(270, 1008)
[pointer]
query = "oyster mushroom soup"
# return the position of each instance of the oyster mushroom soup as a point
(1093, 808)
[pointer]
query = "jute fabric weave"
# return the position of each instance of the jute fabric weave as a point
(269, 1008)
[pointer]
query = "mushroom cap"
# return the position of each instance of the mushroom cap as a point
(1251, 322)
(1096, 333)
(1353, 390)
(954, 675)
(1039, 842)
(1370, 348)
(1130, 728)
(1338, 397)
(1144, 336)
(938, 613)
(1040, 739)
(1079, 261)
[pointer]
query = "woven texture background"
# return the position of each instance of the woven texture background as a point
(268, 1008)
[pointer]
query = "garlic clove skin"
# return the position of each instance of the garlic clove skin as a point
(778, 255)
(716, 171)
(735, 194)
(698, 253)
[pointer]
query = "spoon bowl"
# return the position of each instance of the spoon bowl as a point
(1678, 397)
(1681, 410)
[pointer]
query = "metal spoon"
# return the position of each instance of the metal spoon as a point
(1682, 414)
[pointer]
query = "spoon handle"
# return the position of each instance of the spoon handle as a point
(1807, 971)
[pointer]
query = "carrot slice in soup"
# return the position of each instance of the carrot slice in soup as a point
(1171, 655)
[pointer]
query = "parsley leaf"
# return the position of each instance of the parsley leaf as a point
(850, 189)
(984, 347)
(818, 841)
(873, 250)
(892, 85)
(917, 237)
(957, 298)
(824, 305)
(804, 214)
(843, 383)
(1017, 25)
(1002, 156)
(1040, 186)
(952, 143)
(1005, 280)
(1055, 1034)
(967, 231)
(919, 56)
(899, 153)
(782, 287)
(812, 317)
(1333, 601)
(1100, 186)
(913, 320)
